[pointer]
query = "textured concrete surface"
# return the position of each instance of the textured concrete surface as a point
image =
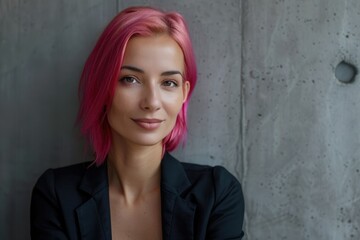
(267, 105)
(301, 126)
(43, 47)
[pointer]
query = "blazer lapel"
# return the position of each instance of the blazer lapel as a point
(178, 212)
(94, 214)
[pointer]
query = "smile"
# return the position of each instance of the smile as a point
(147, 123)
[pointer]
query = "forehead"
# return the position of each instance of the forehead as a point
(158, 52)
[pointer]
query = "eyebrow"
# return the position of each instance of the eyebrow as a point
(166, 73)
(135, 69)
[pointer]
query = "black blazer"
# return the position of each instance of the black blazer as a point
(197, 202)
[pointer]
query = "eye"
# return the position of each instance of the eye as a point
(170, 83)
(129, 80)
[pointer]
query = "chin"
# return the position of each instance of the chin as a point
(147, 141)
(141, 138)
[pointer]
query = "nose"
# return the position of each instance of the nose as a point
(150, 99)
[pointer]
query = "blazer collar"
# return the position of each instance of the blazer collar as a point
(177, 210)
(94, 214)
(173, 175)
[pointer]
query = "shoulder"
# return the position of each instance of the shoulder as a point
(218, 176)
(200, 177)
(63, 181)
(66, 187)
(212, 184)
(54, 198)
(219, 199)
(69, 173)
(214, 171)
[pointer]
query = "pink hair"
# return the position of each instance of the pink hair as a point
(102, 68)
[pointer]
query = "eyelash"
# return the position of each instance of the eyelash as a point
(125, 80)
(175, 84)
(133, 80)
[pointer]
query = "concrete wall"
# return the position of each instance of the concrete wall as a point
(267, 105)
(301, 125)
(43, 47)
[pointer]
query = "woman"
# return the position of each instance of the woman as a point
(134, 91)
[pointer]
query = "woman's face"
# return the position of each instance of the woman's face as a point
(150, 91)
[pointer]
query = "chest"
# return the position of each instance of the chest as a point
(137, 221)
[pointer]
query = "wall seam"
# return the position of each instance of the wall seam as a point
(242, 113)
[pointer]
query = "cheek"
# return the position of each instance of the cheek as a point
(175, 96)
(123, 100)
(174, 106)
(113, 115)
(119, 108)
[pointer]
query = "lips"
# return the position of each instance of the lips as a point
(148, 123)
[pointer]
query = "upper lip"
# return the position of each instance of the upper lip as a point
(148, 120)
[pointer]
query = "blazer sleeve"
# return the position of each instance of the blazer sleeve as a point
(227, 216)
(45, 215)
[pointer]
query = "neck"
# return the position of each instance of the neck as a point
(134, 171)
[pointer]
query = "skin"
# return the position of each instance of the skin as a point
(147, 100)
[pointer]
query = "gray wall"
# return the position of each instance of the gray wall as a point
(267, 105)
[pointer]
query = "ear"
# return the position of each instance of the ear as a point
(186, 89)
